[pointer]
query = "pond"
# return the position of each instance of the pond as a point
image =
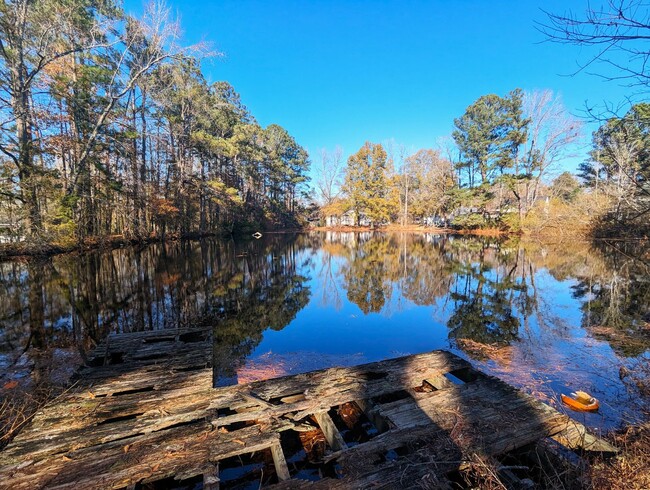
(546, 317)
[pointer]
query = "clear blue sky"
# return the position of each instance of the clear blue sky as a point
(343, 72)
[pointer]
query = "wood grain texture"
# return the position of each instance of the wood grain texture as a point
(147, 411)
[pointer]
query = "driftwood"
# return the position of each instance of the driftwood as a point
(147, 411)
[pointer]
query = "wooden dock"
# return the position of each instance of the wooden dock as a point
(146, 415)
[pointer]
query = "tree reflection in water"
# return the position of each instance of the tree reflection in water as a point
(616, 296)
(488, 285)
(367, 294)
(76, 300)
(368, 274)
(264, 291)
(488, 290)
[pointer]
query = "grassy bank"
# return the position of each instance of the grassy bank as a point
(631, 468)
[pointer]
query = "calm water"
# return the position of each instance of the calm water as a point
(555, 317)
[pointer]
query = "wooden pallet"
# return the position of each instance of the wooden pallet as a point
(147, 412)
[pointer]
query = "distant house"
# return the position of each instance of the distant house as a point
(338, 213)
(345, 219)
(438, 221)
(348, 218)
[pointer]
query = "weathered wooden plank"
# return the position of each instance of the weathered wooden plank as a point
(144, 378)
(280, 463)
(122, 347)
(211, 477)
(142, 459)
(397, 438)
(394, 373)
(575, 436)
(483, 414)
(252, 398)
(178, 425)
(331, 433)
(439, 382)
(293, 398)
(136, 369)
(370, 409)
(154, 413)
(122, 340)
(425, 468)
(75, 425)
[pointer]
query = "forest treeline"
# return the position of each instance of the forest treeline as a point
(110, 127)
(499, 170)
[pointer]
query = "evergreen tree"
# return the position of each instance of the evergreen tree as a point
(488, 136)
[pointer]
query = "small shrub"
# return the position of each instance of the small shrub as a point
(471, 221)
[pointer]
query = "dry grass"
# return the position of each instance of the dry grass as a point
(21, 399)
(482, 352)
(631, 469)
(484, 472)
(17, 407)
(543, 467)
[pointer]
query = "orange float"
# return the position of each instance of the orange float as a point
(581, 401)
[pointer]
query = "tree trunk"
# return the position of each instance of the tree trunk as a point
(24, 135)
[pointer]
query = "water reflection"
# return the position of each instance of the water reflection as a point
(616, 297)
(572, 313)
(489, 284)
(265, 292)
(76, 300)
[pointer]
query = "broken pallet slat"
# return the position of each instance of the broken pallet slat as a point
(145, 420)
(280, 462)
(211, 477)
(331, 433)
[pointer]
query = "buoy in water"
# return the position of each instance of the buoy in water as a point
(581, 401)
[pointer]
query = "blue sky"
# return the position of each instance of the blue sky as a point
(341, 73)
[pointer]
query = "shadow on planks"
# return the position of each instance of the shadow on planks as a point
(146, 415)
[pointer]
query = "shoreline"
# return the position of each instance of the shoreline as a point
(21, 250)
(415, 229)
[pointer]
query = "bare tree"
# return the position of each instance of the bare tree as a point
(621, 186)
(143, 45)
(430, 176)
(552, 133)
(40, 38)
(146, 44)
(615, 33)
(329, 174)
